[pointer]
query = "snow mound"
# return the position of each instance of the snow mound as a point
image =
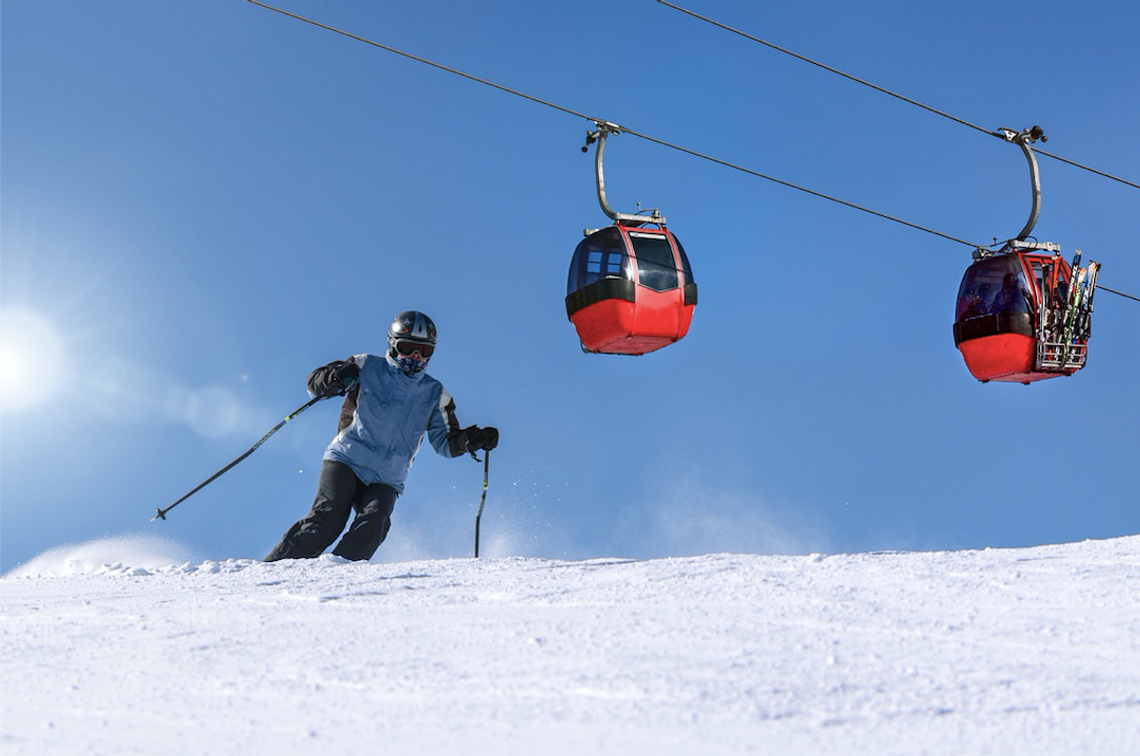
(131, 555)
(996, 651)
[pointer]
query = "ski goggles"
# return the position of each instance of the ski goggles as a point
(408, 348)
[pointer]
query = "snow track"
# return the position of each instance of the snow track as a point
(1000, 651)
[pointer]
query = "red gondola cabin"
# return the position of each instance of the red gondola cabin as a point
(630, 290)
(1016, 319)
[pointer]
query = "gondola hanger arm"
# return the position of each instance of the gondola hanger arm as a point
(1023, 139)
(603, 130)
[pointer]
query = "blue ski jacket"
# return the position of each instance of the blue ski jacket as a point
(384, 419)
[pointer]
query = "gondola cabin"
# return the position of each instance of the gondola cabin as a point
(1016, 320)
(630, 290)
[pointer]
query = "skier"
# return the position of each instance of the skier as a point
(390, 402)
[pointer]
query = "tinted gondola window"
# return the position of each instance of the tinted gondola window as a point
(991, 286)
(600, 255)
(656, 268)
(685, 267)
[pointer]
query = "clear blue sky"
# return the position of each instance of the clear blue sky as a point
(203, 200)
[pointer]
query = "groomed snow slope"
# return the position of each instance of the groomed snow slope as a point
(1001, 651)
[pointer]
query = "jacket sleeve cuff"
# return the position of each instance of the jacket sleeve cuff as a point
(457, 442)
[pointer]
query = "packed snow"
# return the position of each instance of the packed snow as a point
(998, 651)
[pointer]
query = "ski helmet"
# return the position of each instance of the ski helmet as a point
(411, 340)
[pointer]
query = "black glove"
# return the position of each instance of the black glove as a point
(481, 438)
(347, 375)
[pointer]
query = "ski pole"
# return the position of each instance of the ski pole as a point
(482, 499)
(162, 512)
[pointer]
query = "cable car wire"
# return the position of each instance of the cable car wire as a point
(1117, 293)
(418, 59)
(885, 91)
(631, 132)
(797, 187)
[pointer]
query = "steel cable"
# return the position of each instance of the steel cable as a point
(885, 91)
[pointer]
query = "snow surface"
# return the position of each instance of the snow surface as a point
(1000, 651)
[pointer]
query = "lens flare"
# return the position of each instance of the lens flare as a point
(33, 361)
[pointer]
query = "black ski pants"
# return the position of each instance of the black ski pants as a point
(340, 492)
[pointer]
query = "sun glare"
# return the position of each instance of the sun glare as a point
(32, 359)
